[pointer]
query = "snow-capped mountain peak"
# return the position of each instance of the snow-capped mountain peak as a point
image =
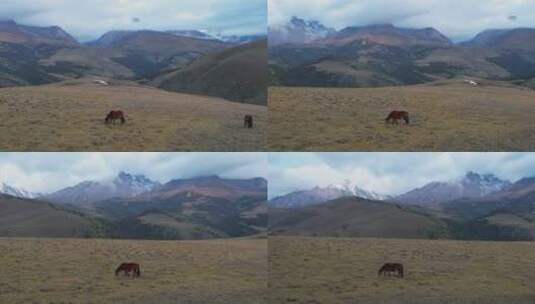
(472, 185)
(17, 192)
(134, 184)
(298, 30)
(355, 190)
(319, 195)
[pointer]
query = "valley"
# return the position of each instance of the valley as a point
(69, 116)
(448, 115)
(344, 270)
(82, 271)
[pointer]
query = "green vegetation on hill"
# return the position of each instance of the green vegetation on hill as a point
(238, 74)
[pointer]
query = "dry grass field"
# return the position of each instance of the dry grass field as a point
(333, 271)
(69, 116)
(82, 271)
(447, 116)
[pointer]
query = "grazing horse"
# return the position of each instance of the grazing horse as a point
(391, 269)
(396, 116)
(114, 116)
(248, 121)
(128, 268)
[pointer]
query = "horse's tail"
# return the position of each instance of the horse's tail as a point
(118, 270)
(407, 118)
(138, 271)
(123, 120)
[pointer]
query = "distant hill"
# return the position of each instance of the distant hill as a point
(32, 218)
(518, 38)
(238, 74)
(144, 53)
(387, 34)
(355, 217)
(12, 32)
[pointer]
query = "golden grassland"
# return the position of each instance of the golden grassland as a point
(448, 116)
(69, 116)
(82, 271)
(332, 271)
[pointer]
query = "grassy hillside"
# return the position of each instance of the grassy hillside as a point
(27, 218)
(238, 74)
(69, 116)
(355, 217)
(343, 271)
(378, 61)
(445, 116)
(82, 271)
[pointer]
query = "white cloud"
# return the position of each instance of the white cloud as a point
(90, 19)
(46, 172)
(389, 173)
(459, 20)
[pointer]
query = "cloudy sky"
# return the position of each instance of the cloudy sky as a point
(47, 172)
(388, 173)
(460, 20)
(87, 20)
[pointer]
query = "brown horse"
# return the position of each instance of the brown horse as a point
(389, 269)
(128, 268)
(396, 116)
(248, 121)
(114, 116)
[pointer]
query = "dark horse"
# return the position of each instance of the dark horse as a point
(114, 116)
(248, 122)
(128, 268)
(389, 269)
(396, 116)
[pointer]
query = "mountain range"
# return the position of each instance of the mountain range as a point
(474, 207)
(123, 186)
(134, 206)
(40, 55)
(472, 185)
(306, 53)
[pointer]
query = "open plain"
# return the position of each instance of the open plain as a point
(44, 271)
(445, 116)
(69, 116)
(344, 271)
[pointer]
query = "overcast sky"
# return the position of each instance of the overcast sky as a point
(388, 173)
(47, 172)
(460, 20)
(87, 20)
